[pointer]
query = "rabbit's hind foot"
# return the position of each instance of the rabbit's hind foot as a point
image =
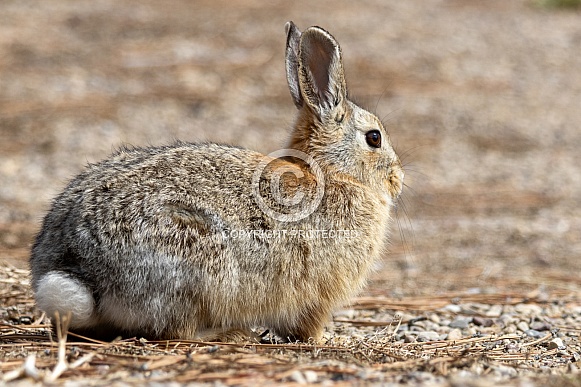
(58, 292)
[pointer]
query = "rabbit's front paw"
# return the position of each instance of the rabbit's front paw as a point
(308, 331)
(230, 335)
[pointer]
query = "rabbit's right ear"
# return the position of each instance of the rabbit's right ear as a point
(293, 39)
(321, 76)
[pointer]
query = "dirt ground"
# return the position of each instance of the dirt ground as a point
(482, 101)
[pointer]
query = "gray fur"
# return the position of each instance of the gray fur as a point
(149, 231)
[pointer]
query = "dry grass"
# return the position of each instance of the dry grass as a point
(33, 352)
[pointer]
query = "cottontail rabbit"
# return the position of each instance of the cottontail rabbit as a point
(206, 241)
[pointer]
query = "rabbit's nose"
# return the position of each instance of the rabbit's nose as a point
(395, 182)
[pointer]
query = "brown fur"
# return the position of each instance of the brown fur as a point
(148, 233)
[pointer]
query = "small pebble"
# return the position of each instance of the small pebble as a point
(310, 376)
(452, 308)
(298, 377)
(418, 324)
(434, 318)
(500, 323)
(534, 333)
(454, 334)
(483, 321)
(528, 309)
(541, 326)
(409, 337)
(461, 322)
(556, 343)
(26, 320)
(430, 326)
(522, 326)
(428, 336)
(473, 332)
(494, 311)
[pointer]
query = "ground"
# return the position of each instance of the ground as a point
(481, 285)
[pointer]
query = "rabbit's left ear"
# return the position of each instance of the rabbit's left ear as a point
(293, 39)
(321, 74)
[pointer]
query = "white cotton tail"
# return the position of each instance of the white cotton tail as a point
(59, 292)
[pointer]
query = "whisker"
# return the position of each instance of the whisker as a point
(410, 189)
(408, 152)
(381, 96)
(413, 171)
(407, 217)
(387, 117)
(407, 243)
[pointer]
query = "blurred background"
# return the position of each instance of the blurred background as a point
(482, 101)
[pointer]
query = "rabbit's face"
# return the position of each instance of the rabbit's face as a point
(354, 142)
(370, 156)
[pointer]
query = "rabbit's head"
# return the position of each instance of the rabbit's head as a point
(341, 136)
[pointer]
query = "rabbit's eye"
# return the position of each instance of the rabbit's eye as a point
(373, 138)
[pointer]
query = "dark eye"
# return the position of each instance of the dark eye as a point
(373, 138)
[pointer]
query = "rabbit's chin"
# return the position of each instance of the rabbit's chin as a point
(60, 293)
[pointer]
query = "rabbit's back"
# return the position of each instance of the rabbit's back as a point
(143, 229)
(142, 192)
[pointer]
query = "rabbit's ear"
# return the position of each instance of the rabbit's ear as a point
(321, 71)
(293, 38)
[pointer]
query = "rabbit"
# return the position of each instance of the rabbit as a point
(205, 241)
